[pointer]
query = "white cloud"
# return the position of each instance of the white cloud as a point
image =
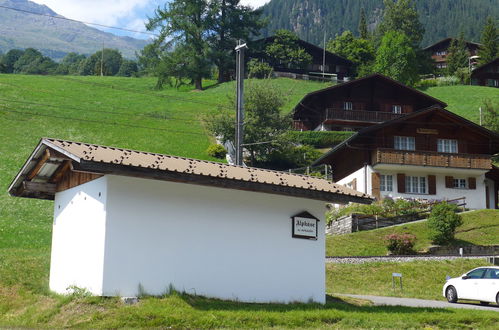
(254, 3)
(107, 12)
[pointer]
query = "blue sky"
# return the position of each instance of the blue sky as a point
(130, 14)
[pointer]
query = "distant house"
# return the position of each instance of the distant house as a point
(129, 222)
(335, 64)
(440, 51)
(487, 74)
(359, 103)
(431, 154)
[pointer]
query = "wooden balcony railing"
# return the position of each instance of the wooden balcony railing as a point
(360, 115)
(428, 158)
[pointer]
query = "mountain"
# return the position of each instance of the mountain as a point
(441, 18)
(55, 37)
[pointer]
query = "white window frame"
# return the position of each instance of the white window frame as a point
(386, 183)
(396, 108)
(460, 183)
(404, 143)
(416, 185)
(449, 146)
(347, 105)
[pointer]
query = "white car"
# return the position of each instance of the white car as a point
(480, 284)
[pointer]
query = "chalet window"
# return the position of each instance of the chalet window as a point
(397, 109)
(405, 143)
(492, 82)
(415, 184)
(442, 52)
(459, 183)
(446, 145)
(347, 106)
(386, 182)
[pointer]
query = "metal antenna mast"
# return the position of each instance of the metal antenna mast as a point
(240, 102)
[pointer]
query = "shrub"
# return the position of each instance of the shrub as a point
(217, 151)
(259, 69)
(443, 222)
(317, 139)
(400, 244)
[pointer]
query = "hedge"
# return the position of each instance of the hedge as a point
(322, 139)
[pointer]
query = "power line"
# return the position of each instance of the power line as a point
(74, 20)
(8, 109)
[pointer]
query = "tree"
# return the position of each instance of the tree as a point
(402, 16)
(148, 59)
(128, 68)
(442, 223)
(10, 58)
(286, 52)
(264, 122)
(363, 33)
(228, 22)
(111, 62)
(183, 32)
(458, 55)
(33, 62)
(71, 63)
(360, 51)
(491, 115)
(396, 57)
(490, 42)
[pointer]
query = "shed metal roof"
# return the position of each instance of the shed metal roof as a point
(44, 168)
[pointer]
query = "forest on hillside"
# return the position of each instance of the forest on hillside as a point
(441, 18)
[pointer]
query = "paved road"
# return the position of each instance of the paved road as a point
(411, 302)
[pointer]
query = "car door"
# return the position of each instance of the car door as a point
(488, 286)
(468, 285)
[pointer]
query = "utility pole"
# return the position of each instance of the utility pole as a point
(102, 62)
(240, 102)
(324, 56)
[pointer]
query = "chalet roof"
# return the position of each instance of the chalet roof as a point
(52, 157)
(449, 39)
(374, 76)
(308, 45)
(409, 117)
(481, 67)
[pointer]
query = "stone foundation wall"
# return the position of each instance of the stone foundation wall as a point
(476, 250)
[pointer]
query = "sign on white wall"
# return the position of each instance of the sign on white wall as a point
(304, 226)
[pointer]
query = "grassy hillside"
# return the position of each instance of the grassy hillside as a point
(479, 228)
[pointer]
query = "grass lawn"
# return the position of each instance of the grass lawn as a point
(479, 228)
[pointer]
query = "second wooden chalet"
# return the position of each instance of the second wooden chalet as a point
(487, 74)
(431, 154)
(359, 103)
(440, 51)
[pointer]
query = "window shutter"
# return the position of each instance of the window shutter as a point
(432, 185)
(401, 182)
(472, 183)
(375, 185)
(354, 184)
(449, 182)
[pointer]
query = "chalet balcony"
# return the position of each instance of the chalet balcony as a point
(428, 158)
(360, 115)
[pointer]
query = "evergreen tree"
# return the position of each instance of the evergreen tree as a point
(490, 42)
(184, 27)
(363, 33)
(458, 55)
(402, 16)
(228, 22)
(395, 58)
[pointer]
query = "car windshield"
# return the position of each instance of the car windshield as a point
(492, 273)
(477, 273)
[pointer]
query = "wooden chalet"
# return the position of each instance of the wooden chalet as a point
(359, 103)
(487, 74)
(440, 51)
(334, 64)
(429, 154)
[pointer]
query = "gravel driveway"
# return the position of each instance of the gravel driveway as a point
(411, 302)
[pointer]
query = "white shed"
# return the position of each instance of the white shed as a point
(129, 222)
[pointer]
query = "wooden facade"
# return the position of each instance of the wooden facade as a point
(487, 74)
(334, 64)
(359, 103)
(440, 51)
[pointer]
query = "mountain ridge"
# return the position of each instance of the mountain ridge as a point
(55, 37)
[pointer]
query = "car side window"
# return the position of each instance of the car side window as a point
(477, 273)
(492, 273)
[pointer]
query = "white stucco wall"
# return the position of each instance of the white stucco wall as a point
(362, 175)
(221, 243)
(78, 236)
